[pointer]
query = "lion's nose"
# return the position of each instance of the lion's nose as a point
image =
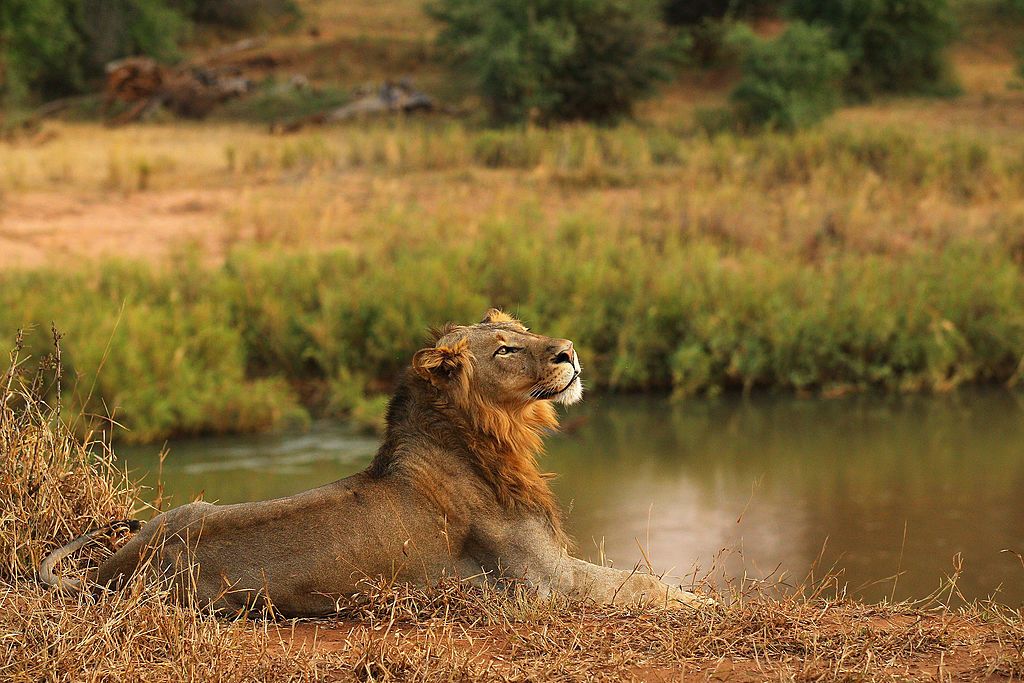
(565, 354)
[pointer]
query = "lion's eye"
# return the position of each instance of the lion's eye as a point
(505, 350)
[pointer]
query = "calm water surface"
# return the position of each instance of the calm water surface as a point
(869, 484)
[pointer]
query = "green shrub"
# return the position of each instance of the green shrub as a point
(187, 350)
(557, 59)
(39, 50)
(789, 82)
(707, 24)
(154, 351)
(891, 45)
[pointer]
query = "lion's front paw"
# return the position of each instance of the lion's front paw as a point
(658, 594)
(676, 597)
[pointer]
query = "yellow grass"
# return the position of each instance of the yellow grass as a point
(147, 191)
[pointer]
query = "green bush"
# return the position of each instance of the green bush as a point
(52, 48)
(706, 24)
(891, 45)
(188, 350)
(557, 59)
(120, 361)
(789, 82)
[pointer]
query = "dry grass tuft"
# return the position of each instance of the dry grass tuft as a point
(453, 633)
(54, 487)
(136, 635)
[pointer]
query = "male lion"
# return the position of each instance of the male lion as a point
(453, 491)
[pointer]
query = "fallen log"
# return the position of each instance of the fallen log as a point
(189, 91)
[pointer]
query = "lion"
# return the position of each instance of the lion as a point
(453, 491)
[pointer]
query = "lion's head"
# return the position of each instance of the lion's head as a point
(502, 363)
(496, 383)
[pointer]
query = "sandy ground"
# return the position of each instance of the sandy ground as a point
(58, 228)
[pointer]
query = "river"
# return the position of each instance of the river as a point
(867, 486)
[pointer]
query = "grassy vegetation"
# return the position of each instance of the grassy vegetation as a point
(274, 102)
(836, 260)
(54, 486)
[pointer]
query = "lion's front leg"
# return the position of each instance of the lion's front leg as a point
(528, 551)
(580, 580)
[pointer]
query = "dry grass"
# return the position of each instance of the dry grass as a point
(79, 191)
(147, 192)
(54, 487)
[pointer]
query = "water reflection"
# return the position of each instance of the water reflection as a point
(779, 480)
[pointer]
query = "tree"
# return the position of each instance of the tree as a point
(51, 48)
(39, 49)
(891, 45)
(691, 12)
(557, 59)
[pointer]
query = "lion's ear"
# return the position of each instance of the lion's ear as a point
(440, 364)
(496, 315)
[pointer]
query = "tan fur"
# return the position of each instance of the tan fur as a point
(454, 490)
(498, 316)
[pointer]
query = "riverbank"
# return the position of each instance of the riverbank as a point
(52, 489)
(458, 635)
(830, 262)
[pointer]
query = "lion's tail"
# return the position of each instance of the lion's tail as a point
(46, 573)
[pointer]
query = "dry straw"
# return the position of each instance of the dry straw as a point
(53, 487)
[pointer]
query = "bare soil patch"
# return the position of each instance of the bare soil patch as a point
(49, 228)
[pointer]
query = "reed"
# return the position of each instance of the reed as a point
(272, 336)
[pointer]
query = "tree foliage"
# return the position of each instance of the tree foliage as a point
(51, 48)
(891, 45)
(557, 59)
(690, 12)
(237, 13)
